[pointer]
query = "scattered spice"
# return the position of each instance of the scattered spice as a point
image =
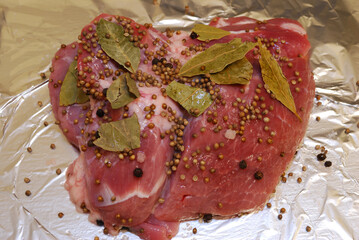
(99, 222)
(243, 164)
(52, 146)
(299, 180)
(27, 180)
(29, 149)
(308, 229)
(58, 171)
(194, 230)
(60, 214)
(46, 124)
(321, 157)
(39, 103)
(328, 164)
(27, 192)
(100, 113)
(280, 216)
(193, 35)
(282, 210)
(269, 205)
(258, 175)
(207, 218)
(138, 172)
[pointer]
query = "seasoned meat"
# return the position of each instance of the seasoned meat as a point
(223, 162)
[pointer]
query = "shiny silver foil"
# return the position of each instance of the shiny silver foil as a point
(327, 199)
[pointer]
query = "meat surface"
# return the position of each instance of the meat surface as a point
(79, 172)
(209, 171)
(224, 162)
(66, 115)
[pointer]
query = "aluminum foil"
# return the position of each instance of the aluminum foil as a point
(327, 199)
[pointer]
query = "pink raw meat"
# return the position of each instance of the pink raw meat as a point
(66, 115)
(230, 190)
(226, 161)
(120, 203)
(76, 178)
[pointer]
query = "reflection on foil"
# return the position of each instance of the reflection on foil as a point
(327, 199)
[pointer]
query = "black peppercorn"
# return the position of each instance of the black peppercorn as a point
(258, 175)
(193, 35)
(155, 61)
(207, 217)
(138, 172)
(169, 65)
(100, 113)
(243, 164)
(328, 163)
(97, 135)
(90, 143)
(104, 91)
(125, 228)
(321, 157)
(163, 59)
(99, 222)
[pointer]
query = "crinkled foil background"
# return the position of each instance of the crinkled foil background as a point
(328, 198)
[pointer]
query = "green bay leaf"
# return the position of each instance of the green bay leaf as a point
(206, 32)
(117, 46)
(274, 78)
(239, 72)
(122, 91)
(216, 58)
(70, 93)
(118, 135)
(194, 100)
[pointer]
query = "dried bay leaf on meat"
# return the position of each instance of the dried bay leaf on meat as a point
(118, 135)
(194, 100)
(70, 93)
(275, 80)
(122, 91)
(216, 58)
(206, 32)
(117, 46)
(239, 72)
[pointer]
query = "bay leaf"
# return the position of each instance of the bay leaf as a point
(206, 32)
(118, 135)
(117, 46)
(239, 72)
(70, 93)
(274, 78)
(216, 58)
(122, 91)
(194, 100)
